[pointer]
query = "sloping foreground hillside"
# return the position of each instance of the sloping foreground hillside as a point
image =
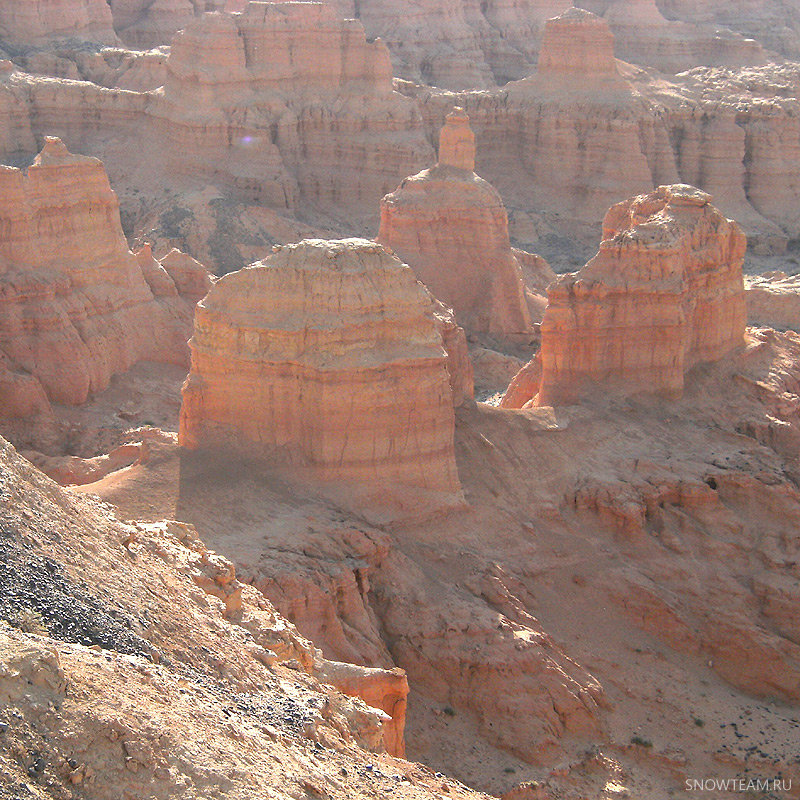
(133, 664)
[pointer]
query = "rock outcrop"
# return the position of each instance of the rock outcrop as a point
(378, 688)
(37, 22)
(325, 356)
(663, 294)
(577, 42)
(776, 25)
(451, 227)
(644, 36)
(561, 151)
(192, 280)
(232, 142)
(69, 619)
(143, 24)
(286, 102)
(457, 44)
(773, 299)
(77, 305)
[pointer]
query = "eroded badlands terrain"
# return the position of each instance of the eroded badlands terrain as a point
(399, 399)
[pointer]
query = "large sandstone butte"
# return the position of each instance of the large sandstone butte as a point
(577, 42)
(76, 306)
(284, 103)
(328, 356)
(451, 227)
(663, 294)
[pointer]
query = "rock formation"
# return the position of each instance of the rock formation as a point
(776, 25)
(457, 44)
(663, 294)
(326, 355)
(58, 626)
(577, 42)
(144, 24)
(561, 151)
(644, 36)
(451, 227)
(286, 102)
(773, 299)
(37, 22)
(378, 688)
(190, 277)
(77, 305)
(555, 143)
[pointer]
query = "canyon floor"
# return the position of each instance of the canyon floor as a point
(610, 613)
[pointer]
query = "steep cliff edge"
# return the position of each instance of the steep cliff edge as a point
(77, 305)
(326, 356)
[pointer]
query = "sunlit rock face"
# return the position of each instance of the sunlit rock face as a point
(327, 355)
(663, 294)
(77, 306)
(451, 227)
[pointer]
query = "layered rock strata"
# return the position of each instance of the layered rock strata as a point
(644, 36)
(77, 305)
(457, 44)
(285, 102)
(326, 356)
(451, 227)
(148, 23)
(37, 22)
(663, 294)
(577, 42)
(561, 150)
(773, 299)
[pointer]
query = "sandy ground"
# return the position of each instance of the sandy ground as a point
(553, 503)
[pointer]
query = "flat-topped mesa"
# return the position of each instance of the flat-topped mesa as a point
(663, 294)
(286, 103)
(294, 46)
(577, 42)
(76, 306)
(326, 356)
(451, 227)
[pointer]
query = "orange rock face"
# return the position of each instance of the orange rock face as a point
(579, 43)
(284, 103)
(451, 227)
(326, 355)
(663, 294)
(379, 688)
(76, 304)
(34, 22)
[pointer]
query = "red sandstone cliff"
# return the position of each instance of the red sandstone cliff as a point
(451, 227)
(663, 294)
(77, 306)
